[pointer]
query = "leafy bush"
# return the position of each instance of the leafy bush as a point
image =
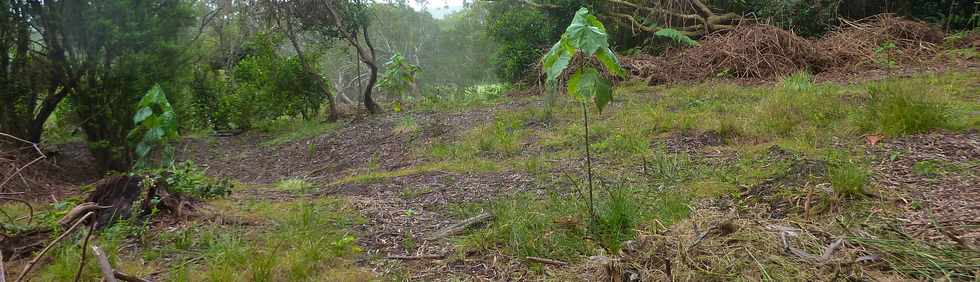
(451, 96)
(807, 18)
(519, 33)
(188, 179)
(676, 36)
(263, 85)
(399, 77)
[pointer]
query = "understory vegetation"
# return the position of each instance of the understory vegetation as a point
(509, 140)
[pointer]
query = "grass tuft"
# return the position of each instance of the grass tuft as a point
(290, 130)
(901, 108)
(295, 184)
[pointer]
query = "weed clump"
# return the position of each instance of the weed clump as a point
(848, 179)
(903, 109)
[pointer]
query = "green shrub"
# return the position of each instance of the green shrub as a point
(805, 17)
(519, 33)
(187, 178)
(447, 96)
(262, 86)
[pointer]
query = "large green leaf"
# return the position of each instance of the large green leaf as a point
(603, 93)
(582, 84)
(610, 61)
(142, 114)
(557, 59)
(586, 33)
(588, 84)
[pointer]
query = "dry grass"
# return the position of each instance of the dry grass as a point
(759, 51)
(867, 43)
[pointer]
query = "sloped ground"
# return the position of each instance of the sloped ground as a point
(755, 206)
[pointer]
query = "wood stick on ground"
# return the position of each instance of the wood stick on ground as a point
(104, 265)
(27, 269)
(420, 257)
(547, 261)
(78, 210)
(126, 277)
(3, 273)
(81, 263)
(461, 226)
(17, 172)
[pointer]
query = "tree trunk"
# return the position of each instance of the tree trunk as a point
(367, 56)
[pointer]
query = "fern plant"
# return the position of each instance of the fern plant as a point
(676, 36)
(587, 35)
(156, 126)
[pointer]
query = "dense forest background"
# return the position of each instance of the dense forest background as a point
(78, 69)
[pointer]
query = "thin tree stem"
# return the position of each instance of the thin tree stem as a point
(588, 159)
(81, 263)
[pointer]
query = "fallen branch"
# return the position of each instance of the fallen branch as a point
(419, 257)
(79, 210)
(81, 263)
(107, 273)
(827, 252)
(17, 172)
(461, 226)
(126, 277)
(27, 269)
(547, 261)
(3, 273)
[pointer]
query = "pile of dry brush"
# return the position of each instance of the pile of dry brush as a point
(763, 51)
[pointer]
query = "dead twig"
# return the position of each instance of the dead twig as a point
(419, 257)
(107, 273)
(81, 263)
(18, 170)
(828, 252)
(126, 277)
(547, 261)
(78, 210)
(461, 226)
(27, 269)
(3, 272)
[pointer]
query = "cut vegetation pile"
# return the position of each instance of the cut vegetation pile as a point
(760, 51)
(749, 51)
(877, 41)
